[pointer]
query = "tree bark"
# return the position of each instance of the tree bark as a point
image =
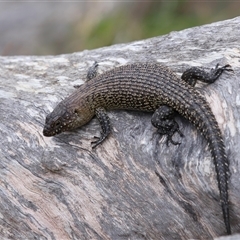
(132, 186)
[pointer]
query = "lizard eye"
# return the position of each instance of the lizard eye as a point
(57, 123)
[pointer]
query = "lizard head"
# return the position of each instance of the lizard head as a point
(64, 118)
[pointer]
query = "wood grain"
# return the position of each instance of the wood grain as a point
(132, 186)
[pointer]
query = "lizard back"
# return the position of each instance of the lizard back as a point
(141, 86)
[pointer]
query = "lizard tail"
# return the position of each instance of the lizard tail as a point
(217, 149)
(207, 124)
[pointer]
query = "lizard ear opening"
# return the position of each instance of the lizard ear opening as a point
(75, 111)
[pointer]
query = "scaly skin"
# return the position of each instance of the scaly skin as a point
(146, 87)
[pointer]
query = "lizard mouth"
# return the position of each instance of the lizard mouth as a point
(48, 133)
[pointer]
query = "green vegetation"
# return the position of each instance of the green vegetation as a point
(134, 21)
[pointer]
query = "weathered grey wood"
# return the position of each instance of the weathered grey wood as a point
(132, 186)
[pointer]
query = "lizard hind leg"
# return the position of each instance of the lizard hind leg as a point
(193, 74)
(163, 120)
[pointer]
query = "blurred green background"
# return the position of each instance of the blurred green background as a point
(38, 28)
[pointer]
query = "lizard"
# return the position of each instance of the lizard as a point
(150, 87)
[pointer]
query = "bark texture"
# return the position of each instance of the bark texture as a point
(132, 186)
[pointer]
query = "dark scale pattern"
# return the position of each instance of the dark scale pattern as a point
(146, 87)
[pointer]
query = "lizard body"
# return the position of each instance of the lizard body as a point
(149, 87)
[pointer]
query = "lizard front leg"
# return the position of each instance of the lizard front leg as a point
(92, 73)
(105, 125)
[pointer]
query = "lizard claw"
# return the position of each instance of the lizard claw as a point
(95, 142)
(170, 135)
(218, 70)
